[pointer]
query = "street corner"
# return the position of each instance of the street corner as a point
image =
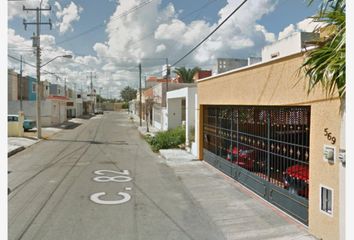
(17, 144)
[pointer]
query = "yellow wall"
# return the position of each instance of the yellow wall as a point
(14, 129)
(278, 83)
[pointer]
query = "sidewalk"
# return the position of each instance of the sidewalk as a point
(17, 144)
(238, 212)
(142, 129)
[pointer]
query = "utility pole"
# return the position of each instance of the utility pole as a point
(65, 86)
(100, 102)
(91, 91)
(167, 77)
(21, 97)
(140, 103)
(36, 44)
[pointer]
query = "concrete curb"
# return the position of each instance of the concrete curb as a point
(16, 150)
(21, 148)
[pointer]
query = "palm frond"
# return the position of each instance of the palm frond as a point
(325, 65)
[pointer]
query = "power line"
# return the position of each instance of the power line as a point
(130, 11)
(212, 32)
(103, 24)
(116, 18)
(186, 16)
(29, 64)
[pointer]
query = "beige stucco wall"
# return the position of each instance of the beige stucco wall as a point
(278, 83)
(12, 89)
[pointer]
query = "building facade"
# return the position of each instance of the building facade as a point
(159, 109)
(31, 83)
(227, 64)
(294, 43)
(56, 90)
(44, 89)
(181, 111)
(266, 132)
(12, 85)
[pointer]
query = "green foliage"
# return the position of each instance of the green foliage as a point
(325, 65)
(125, 105)
(128, 94)
(168, 139)
(186, 74)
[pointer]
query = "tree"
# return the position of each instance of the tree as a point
(325, 65)
(128, 94)
(185, 74)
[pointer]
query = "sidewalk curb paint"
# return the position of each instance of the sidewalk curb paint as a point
(19, 149)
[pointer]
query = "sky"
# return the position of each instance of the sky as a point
(110, 37)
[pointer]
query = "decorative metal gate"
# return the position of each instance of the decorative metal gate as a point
(265, 149)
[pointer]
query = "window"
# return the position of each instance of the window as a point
(33, 87)
(12, 119)
(326, 200)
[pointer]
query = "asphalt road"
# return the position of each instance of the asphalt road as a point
(100, 181)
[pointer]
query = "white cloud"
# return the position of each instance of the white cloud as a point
(160, 48)
(287, 31)
(47, 40)
(15, 9)
(75, 70)
(154, 31)
(238, 42)
(58, 6)
(67, 16)
(171, 31)
(16, 41)
(269, 37)
(88, 60)
(306, 25)
(71, 69)
(158, 32)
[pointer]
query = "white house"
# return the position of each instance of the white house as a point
(181, 110)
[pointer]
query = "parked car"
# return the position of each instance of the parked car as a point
(296, 179)
(27, 123)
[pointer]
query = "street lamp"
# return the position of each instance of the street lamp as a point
(38, 103)
(63, 56)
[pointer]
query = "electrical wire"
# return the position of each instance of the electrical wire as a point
(29, 64)
(183, 18)
(144, 37)
(103, 24)
(206, 38)
(133, 9)
(212, 32)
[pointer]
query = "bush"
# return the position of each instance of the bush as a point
(125, 105)
(169, 139)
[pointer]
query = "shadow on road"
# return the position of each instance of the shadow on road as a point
(67, 125)
(88, 141)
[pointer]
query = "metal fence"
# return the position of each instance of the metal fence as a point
(269, 142)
